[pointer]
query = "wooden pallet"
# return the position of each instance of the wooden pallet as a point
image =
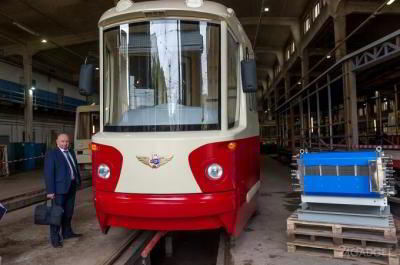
(375, 255)
(343, 241)
(340, 233)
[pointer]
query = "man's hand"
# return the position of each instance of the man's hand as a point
(51, 196)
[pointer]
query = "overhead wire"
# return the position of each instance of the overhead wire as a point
(258, 24)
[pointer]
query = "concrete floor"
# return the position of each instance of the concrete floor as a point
(21, 183)
(264, 240)
(22, 242)
(26, 182)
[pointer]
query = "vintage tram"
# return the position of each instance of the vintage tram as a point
(178, 147)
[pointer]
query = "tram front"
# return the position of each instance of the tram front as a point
(178, 148)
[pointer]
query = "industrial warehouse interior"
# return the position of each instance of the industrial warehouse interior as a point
(224, 132)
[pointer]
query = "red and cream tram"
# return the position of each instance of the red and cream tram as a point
(178, 147)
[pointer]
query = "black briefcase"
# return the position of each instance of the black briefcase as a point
(48, 215)
(3, 211)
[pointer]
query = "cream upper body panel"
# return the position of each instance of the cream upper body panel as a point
(174, 177)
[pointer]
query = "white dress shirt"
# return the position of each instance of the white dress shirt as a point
(69, 164)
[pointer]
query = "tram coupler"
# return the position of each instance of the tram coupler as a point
(152, 243)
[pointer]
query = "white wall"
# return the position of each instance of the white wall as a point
(15, 74)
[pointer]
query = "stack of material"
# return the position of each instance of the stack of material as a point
(344, 209)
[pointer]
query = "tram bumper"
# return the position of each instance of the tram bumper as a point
(166, 212)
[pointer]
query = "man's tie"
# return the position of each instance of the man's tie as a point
(71, 163)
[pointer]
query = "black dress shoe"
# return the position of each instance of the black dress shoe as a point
(57, 245)
(73, 235)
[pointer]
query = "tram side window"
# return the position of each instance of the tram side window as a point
(233, 110)
(88, 124)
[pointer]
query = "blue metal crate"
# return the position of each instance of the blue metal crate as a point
(338, 185)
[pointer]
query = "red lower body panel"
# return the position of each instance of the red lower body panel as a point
(167, 212)
(222, 203)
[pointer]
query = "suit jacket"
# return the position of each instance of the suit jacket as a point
(57, 172)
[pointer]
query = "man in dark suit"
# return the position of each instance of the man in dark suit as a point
(61, 178)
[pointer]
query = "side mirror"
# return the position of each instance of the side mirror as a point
(86, 79)
(249, 76)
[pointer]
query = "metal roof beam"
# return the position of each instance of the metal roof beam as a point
(52, 43)
(273, 50)
(11, 39)
(291, 22)
(268, 49)
(368, 7)
(271, 21)
(318, 51)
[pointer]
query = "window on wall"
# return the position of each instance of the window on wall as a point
(288, 53)
(292, 47)
(307, 24)
(316, 10)
(233, 59)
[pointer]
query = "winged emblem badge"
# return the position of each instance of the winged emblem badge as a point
(155, 161)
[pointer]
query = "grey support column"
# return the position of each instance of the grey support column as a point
(287, 86)
(396, 106)
(305, 67)
(291, 114)
(28, 113)
(328, 81)
(339, 23)
(350, 105)
(302, 139)
(269, 108)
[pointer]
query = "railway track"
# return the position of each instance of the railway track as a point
(136, 250)
(130, 251)
(29, 198)
(224, 256)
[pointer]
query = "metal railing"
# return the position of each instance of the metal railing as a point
(12, 92)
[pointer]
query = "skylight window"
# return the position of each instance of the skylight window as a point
(316, 10)
(307, 24)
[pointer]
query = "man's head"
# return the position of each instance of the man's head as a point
(63, 141)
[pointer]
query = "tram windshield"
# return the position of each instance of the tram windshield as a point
(162, 75)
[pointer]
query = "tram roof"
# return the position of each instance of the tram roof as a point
(173, 8)
(151, 7)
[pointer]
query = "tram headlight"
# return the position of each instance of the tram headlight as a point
(103, 171)
(215, 171)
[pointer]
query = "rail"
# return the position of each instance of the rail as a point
(129, 252)
(135, 250)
